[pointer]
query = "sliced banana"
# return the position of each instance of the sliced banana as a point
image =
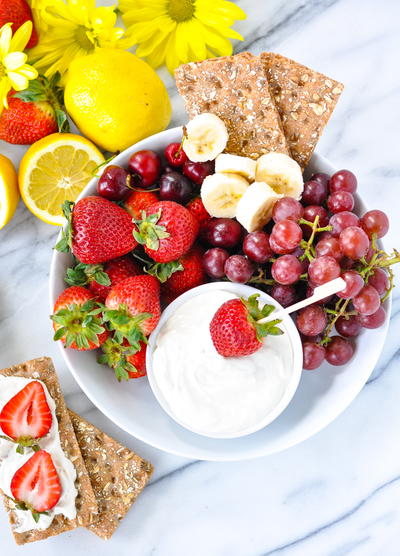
(232, 163)
(206, 137)
(221, 192)
(280, 172)
(254, 208)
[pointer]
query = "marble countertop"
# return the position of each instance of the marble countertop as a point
(335, 494)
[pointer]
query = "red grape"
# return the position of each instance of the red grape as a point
(175, 155)
(214, 262)
(349, 327)
(323, 269)
(340, 201)
(367, 301)
(321, 177)
(277, 248)
(354, 242)
(375, 222)
(329, 246)
(305, 263)
(379, 280)
(342, 220)
(286, 270)
(114, 183)
(256, 247)
(339, 351)
(343, 180)
(198, 171)
(372, 321)
(145, 166)
(238, 269)
(312, 211)
(287, 234)
(313, 355)
(314, 192)
(311, 320)
(287, 208)
(285, 295)
(223, 232)
(354, 284)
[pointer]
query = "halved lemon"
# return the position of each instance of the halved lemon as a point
(55, 169)
(9, 194)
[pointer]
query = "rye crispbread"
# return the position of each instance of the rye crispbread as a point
(86, 504)
(117, 474)
(234, 88)
(305, 100)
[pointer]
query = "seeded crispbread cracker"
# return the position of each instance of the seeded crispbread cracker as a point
(86, 504)
(305, 100)
(118, 475)
(234, 88)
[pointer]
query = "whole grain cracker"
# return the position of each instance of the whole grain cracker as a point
(86, 504)
(234, 88)
(305, 100)
(118, 475)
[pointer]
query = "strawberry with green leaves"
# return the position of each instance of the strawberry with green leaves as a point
(77, 319)
(235, 330)
(101, 278)
(127, 361)
(167, 231)
(26, 417)
(133, 309)
(190, 275)
(98, 230)
(34, 113)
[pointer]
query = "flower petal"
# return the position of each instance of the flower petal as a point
(14, 60)
(28, 71)
(19, 82)
(21, 37)
(5, 39)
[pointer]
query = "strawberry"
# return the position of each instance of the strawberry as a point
(97, 231)
(196, 207)
(191, 275)
(167, 230)
(34, 113)
(126, 361)
(133, 308)
(27, 416)
(234, 328)
(100, 278)
(36, 485)
(77, 321)
(138, 201)
(17, 12)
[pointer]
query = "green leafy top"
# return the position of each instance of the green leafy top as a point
(149, 231)
(47, 90)
(163, 271)
(256, 313)
(115, 356)
(79, 324)
(65, 243)
(125, 325)
(82, 274)
(20, 505)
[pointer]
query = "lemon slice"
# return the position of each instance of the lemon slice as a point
(9, 194)
(55, 169)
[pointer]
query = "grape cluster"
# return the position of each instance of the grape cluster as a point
(307, 244)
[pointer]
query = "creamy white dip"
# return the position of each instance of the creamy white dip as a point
(10, 461)
(209, 393)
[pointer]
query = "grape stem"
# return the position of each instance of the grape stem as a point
(309, 250)
(339, 311)
(261, 279)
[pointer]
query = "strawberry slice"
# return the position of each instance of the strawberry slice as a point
(27, 416)
(36, 486)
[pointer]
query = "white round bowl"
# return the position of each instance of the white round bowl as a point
(287, 325)
(321, 396)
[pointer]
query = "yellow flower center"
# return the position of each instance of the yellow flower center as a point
(180, 10)
(82, 38)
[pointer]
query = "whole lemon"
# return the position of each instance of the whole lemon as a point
(115, 98)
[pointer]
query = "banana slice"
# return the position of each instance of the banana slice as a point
(232, 163)
(282, 173)
(254, 208)
(206, 137)
(221, 192)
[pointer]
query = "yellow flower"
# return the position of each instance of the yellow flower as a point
(73, 29)
(179, 31)
(14, 72)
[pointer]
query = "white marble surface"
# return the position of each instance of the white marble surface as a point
(337, 493)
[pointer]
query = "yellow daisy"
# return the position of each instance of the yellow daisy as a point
(73, 29)
(14, 72)
(179, 31)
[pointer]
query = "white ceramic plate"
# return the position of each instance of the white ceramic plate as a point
(321, 396)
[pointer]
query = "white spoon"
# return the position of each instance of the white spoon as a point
(320, 292)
